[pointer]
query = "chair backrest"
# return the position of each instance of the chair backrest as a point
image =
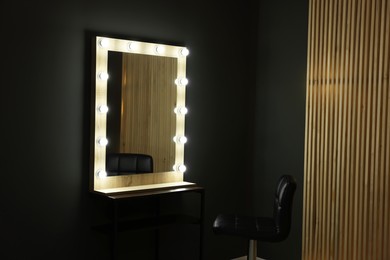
(128, 163)
(283, 205)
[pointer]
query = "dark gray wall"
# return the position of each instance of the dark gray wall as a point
(280, 113)
(46, 211)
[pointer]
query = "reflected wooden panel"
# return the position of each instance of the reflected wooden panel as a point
(148, 122)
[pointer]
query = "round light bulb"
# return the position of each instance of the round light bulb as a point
(183, 139)
(103, 75)
(182, 168)
(180, 139)
(102, 174)
(131, 46)
(179, 168)
(184, 52)
(160, 49)
(102, 141)
(181, 110)
(103, 109)
(181, 81)
(103, 43)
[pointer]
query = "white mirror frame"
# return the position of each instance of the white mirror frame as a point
(102, 46)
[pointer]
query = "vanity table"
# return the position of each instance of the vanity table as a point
(158, 220)
(138, 108)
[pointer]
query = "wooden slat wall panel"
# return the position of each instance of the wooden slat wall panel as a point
(347, 151)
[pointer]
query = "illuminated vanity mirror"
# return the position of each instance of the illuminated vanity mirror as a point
(139, 109)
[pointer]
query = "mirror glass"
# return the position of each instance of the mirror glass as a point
(141, 96)
(139, 108)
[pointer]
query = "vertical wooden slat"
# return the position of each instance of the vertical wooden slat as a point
(349, 133)
(347, 146)
(370, 132)
(328, 132)
(386, 142)
(308, 228)
(353, 109)
(377, 126)
(321, 125)
(306, 188)
(356, 139)
(315, 127)
(332, 127)
(361, 130)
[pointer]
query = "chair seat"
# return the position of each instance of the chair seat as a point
(253, 228)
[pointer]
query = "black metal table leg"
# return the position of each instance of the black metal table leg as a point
(201, 225)
(157, 231)
(114, 235)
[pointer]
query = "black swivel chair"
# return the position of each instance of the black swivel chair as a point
(265, 229)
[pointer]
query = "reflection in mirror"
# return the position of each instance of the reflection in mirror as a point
(139, 109)
(141, 94)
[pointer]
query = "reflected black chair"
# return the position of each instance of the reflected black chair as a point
(128, 163)
(265, 229)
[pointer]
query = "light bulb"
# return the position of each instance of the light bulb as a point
(184, 52)
(103, 43)
(179, 168)
(181, 82)
(103, 75)
(103, 109)
(159, 49)
(183, 139)
(102, 141)
(131, 46)
(181, 110)
(180, 139)
(182, 168)
(102, 174)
